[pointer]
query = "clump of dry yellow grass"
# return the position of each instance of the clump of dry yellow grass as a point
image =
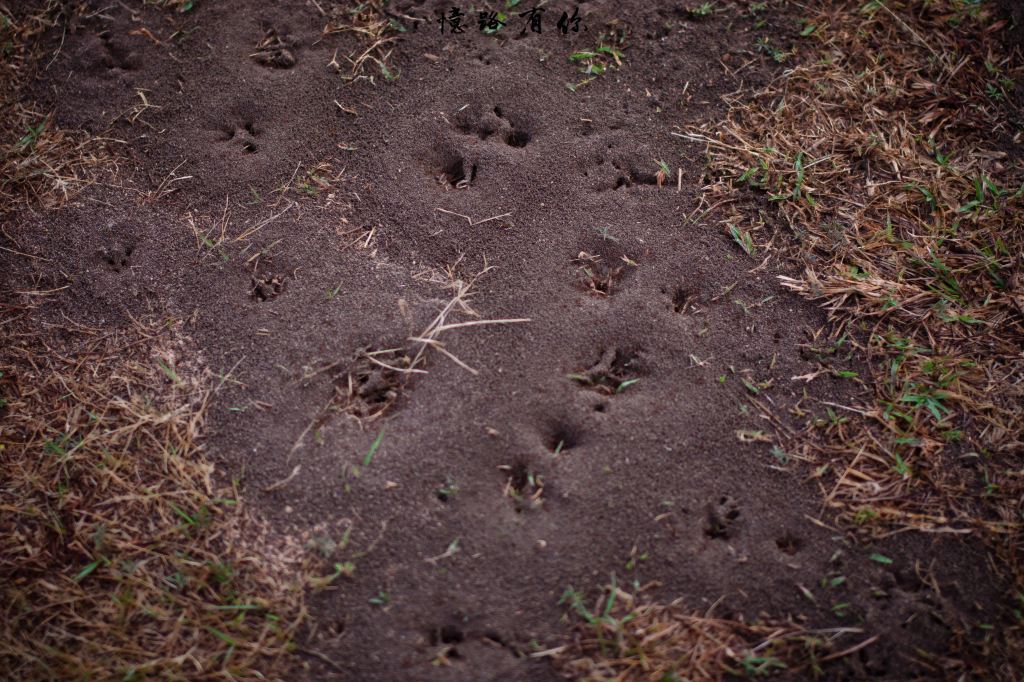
(121, 558)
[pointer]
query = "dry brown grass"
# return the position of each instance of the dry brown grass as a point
(625, 637)
(377, 31)
(122, 560)
(372, 385)
(890, 147)
(39, 162)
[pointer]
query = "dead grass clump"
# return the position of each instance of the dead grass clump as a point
(625, 637)
(373, 385)
(39, 162)
(121, 559)
(377, 30)
(885, 149)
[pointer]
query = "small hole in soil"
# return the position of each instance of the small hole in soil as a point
(495, 637)
(560, 439)
(446, 492)
(267, 287)
(519, 477)
(369, 389)
(117, 256)
(498, 112)
(249, 148)
(873, 665)
(621, 182)
(372, 390)
(600, 407)
(250, 128)
(789, 544)
(448, 634)
(524, 486)
(600, 275)
(616, 371)
(518, 138)
(680, 300)
(908, 581)
(641, 178)
(716, 530)
(720, 518)
(454, 171)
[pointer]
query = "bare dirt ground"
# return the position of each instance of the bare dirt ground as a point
(481, 332)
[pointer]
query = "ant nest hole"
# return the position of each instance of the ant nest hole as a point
(789, 544)
(446, 492)
(600, 275)
(267, 287)
(275, 50)
(681, 300)
(455, 171)
(446, 634)
(373, 386)
(721, 516)
(524, 485)
(561, 438)
(117, 255)
(448, 637)
(630, 174)
(518, 138)
(616, 371)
